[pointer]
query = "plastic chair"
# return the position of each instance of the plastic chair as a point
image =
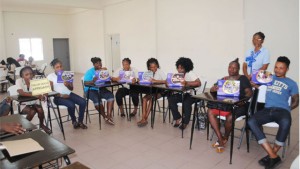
(3, 81)
(261, 98)
(42, 73)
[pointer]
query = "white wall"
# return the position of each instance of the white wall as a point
(26, 25)
(211, 33)
(86, 39)
(279, 21)
(135, 22)
(2, 43)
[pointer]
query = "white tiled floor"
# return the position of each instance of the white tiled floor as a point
(127, 146)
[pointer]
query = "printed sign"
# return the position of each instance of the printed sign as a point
(228, 88)
(262, 77)
(40, 86)
(65, 76)
(175, 79)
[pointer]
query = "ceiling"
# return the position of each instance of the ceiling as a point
(55, 6)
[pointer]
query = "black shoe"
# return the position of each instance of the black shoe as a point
(182, 126)
(122, 114)
(264, 161)
(132, 114)
(273, 162)
(75, 125)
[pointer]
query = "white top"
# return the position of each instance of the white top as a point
(58, 87)
(135, 71)
(190, 76)
(20, 83)
(159, 75)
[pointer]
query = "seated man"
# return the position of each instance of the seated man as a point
(277, 109)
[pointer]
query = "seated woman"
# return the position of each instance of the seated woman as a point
(90, 79)
(122, 92)
(245, 91)
(66, 97)
(185, 66)
(159, 77)
(31, 108)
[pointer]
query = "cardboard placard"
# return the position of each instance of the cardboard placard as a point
(228, 88)
(103, 76)
(262, 77)
(145, 77)
(65, 76)
(40, 86)
(175, 79)
(126, 76)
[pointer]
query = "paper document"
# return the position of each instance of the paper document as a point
(18, 147)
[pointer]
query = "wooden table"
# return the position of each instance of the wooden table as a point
(16, 118)
(233, 102)
(53, 149)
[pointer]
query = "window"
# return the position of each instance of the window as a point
(32, 47)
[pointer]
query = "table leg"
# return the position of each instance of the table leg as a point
(60, 121)
(99, 98)
(182, 97)
(87, 106)
(193, 125)
(247, 131)
(232, 133)
(129, 106)
(153, 107)
(164, 112)
(67, 160)
(49, 115)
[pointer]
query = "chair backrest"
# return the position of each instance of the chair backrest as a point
(17, 70)
(43, 67)
(12, 90)
(3, 73)
(261, 97)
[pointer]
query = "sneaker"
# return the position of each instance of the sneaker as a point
(273, 162)
(264, 161)
(75, 125)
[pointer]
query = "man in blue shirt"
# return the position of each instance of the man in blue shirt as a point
(277, 109)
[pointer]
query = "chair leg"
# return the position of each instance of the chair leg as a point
(242, 135)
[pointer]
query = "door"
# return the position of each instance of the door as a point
(61, 51)
(113, 58)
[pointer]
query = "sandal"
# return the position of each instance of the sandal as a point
(132, 114)
(216, 144)
(122, 114)
(46, 129)
(110, 121)
(142, 124)
(220, 149)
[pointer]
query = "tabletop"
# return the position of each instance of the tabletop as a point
(53, 149)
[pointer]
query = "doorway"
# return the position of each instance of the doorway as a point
(61, 51)
(113, 58)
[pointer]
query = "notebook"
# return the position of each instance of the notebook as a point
(262, 77)
(65, 76)
(126, 76)
(175, 79)
(103, 76)
(145, 77)
(228, 88)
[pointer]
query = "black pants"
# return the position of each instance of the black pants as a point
(187, 106)
(122, 92)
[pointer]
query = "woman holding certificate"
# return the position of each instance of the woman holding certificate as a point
(66, 96)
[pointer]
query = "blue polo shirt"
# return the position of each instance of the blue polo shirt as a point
(280, 91)
(88, 76)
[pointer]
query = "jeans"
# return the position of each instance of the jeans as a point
(122, 92)
(70, 104)
(281, 116)
(187, 106)
(104, 94)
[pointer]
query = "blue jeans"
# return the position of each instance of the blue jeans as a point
(281, 116)
(104, 94)
(70, 103)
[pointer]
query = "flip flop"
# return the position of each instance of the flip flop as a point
(216, 144)
(220, 149)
